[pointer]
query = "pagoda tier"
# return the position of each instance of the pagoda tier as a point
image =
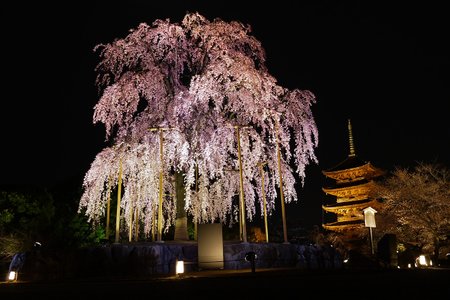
(352, 169)
(341, 208)
(352, 192)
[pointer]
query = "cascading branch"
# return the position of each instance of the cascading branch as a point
(199, 80)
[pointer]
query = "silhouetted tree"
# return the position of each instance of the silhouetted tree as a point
(25, 217)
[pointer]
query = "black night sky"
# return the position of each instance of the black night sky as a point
(385, 66)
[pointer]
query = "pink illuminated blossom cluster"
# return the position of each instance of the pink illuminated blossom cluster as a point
(199, 80)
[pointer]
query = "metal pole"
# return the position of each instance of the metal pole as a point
(283, 213)
(371, 241)
(241, 189)
(119, 192)
(261, 165)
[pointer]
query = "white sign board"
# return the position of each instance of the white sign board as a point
(369, 217)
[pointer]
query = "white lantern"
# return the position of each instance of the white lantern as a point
(179, 267)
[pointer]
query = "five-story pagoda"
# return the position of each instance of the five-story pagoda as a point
(352, 179)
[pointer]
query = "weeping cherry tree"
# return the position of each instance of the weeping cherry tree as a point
(175, 98)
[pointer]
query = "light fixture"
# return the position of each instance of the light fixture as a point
(179, 267)
(423, 260)
(12, 276)
(250, 256)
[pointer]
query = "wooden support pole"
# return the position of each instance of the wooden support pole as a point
(283, 212)
(241, 190)
(266, 227)
(119, 196)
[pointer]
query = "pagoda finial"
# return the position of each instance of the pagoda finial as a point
(350, 139)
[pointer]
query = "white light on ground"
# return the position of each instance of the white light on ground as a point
(12, 276)
(422, 260)
(179, 268)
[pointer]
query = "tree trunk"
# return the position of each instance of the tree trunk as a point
(181, 232)
(437, 245)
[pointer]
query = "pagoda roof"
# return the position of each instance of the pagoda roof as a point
(348, 190)
(347, 184)
(353, 167)
(347, 204)
(343, 225)
(352, 161)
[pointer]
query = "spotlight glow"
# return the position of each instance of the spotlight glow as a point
(422, 260)
(12, 276)
(179, 268)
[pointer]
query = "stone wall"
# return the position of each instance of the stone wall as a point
(136, 260)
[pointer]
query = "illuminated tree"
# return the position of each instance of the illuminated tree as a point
(417, 205)
(197, 84)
